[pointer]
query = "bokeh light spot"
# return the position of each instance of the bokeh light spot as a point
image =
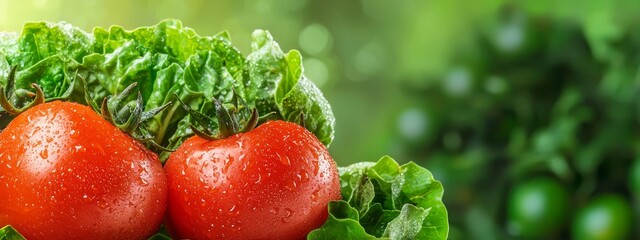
(314, 39)
(458, 82)
(510, 36)
(495, 85)
(413, 123)
(317, 71)
(369, 59)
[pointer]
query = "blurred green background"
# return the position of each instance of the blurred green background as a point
(527, 111)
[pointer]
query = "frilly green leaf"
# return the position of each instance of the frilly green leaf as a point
(391, 201)
(164, 60)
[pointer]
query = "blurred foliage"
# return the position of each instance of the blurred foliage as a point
(487, 94)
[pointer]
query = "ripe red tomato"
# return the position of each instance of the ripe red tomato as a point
(66, 173)
(273, 182)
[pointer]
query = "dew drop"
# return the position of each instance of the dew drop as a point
(287, 214)
(227, 163)
(273, 211)
(144, 179)
(314, 195)
(259, 178)
(232, 209)
(284, 160)
(316, 166)
(291, 186)
(102, 204)
(304, 177)
(44, 154)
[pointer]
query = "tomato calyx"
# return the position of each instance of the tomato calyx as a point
(17, 101)
(128, 116)
(229, 119)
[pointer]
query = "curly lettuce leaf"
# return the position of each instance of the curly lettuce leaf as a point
(41, 40)
(385, 200)
(277, 84)
(165, 60)
(9, 233)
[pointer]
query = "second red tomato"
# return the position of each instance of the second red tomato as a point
(273, 182)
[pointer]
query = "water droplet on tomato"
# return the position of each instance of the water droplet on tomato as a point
(144, 173)
(245, 164)
(102, 204)
(304, 176)
(227, 163)
(284, 160)
(86, 198)
(314, 195)
(316, 166)
(44, 154)
(235, 226)
(144, 179)
(315, 154)
(274, 211)
(259, 178)
(287, 214)
(291, 185)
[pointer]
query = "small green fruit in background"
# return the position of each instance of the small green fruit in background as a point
(537, 208)
(634, 178)
(607, 217)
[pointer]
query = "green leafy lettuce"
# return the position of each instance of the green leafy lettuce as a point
(166, 61)
(8, 233)
(382, 200)
(385, 200)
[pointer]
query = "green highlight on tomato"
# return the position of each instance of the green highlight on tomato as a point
(66, 173)
(537, 208)
(606, 217)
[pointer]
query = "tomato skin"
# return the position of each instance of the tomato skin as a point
(66, 173)
(537, 208)
(603, 218)
(273, 182)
